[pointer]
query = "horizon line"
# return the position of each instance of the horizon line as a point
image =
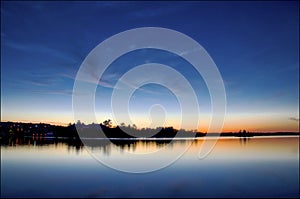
(70, 123)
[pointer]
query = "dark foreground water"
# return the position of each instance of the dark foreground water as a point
(252, 167)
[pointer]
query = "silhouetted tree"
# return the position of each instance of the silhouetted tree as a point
(134, 126)
(107, 123)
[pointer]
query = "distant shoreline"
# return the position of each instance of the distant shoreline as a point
(212, 135)
(42, 130)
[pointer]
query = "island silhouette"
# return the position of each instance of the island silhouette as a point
(20, 129)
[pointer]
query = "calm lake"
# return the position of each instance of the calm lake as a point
(236, 167)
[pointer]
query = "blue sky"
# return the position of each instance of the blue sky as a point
(254, 44)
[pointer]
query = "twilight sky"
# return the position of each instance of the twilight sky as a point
(255, 46)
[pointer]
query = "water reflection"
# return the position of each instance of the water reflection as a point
(244, 140)
(39, 141)
(241, 147)
(100, 144)
(237, 167)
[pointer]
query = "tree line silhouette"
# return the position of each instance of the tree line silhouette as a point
(90, 130)
(8, 129)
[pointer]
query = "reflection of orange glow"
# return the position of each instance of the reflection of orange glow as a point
(259, 148)
(256, 147)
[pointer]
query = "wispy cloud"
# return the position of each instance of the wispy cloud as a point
(54, 92)
(61, 57)
(275, 96)
(155, 11)
(90, 77)
(294, 119)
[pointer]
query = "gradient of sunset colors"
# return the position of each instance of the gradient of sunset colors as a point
(254, 44)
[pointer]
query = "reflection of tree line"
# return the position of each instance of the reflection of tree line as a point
(15, 141)
(244, 140)
(104, 145)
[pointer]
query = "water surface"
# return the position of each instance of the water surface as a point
(236, 167)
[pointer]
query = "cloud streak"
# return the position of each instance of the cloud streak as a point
(294, 119)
